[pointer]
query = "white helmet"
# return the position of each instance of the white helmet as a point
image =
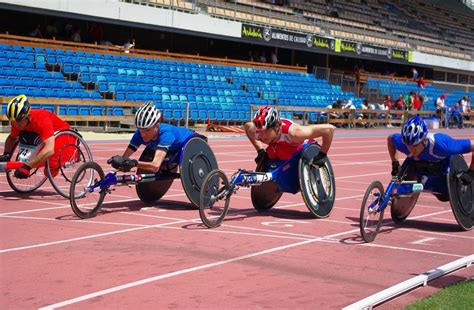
(147, 116)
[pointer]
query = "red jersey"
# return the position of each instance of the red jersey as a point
(43, 123)
(283, 149)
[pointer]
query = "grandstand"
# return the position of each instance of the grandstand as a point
(91, 82)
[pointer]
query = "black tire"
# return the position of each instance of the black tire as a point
(79, 153)
(265, 195)
(215, 184)
(79, 193)
(369, 228)
(28, 185)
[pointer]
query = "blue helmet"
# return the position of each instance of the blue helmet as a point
(414, 131)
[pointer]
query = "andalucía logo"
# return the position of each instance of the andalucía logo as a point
(251, 32)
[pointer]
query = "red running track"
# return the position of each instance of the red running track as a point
(134, 255)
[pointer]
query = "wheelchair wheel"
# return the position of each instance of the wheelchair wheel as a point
(265, 195)
(370, 220)
(214, 198)
(24, 186)
(71, 154)
(84, 203)
(318, 188)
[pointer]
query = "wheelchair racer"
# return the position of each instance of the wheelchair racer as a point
(33, 127)
(163, 139)
(284, 138)
(419, 145)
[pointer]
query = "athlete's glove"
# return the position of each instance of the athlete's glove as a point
(467, 177)
(23, 172)
(261, 155)
(320, 159)
(5, 157)
(395, 168)
(121, 163)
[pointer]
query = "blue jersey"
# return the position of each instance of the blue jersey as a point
(439, 146)
(170, 139)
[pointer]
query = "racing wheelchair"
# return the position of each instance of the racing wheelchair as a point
(194, 160)
(268, 183)
(441, 179)
(70, 152)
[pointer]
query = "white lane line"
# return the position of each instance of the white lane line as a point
(88, 237)
(74, 221)
(177, 273)
(375, 245)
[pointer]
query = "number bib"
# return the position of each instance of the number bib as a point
(25, 152)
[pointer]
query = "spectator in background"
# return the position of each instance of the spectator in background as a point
(410, 101)
(400, 104)
(127, 46)
(387, 102)
(76, 35)
(415, 74)
(421, 82)
(440, 104)
(95, 33)
(441, 109)
(67, 31)
(36, 33)
(464, 105)
(385, 106)
(416, 101)
(51, 30)
(336, 105)
(456, 114)
(274, 57)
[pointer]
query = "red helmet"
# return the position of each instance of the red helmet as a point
(266, 117)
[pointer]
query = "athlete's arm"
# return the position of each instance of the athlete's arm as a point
(45, 152)
(300, 133)
(10, 144)
(392, 151)
(249, 128)
(155, 164)
(128, 152)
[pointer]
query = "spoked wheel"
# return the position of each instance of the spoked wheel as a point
(214, 198)
(86, 202)
(370, 220)
(71, 152)
(30, 184)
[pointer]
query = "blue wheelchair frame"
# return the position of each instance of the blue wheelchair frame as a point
(282, 173)
(432, 184)
(167, 171)
(286, 176)
(398, 187)
(112, 179)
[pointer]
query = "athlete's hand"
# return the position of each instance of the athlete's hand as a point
(128, 164)
(262, 154)
(23, 172)
(395, 168)
(320, 159)
(116, 161)
(467, 177)
(5, 157)
(121, 163)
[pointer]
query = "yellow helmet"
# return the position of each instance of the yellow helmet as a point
(18, 108)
